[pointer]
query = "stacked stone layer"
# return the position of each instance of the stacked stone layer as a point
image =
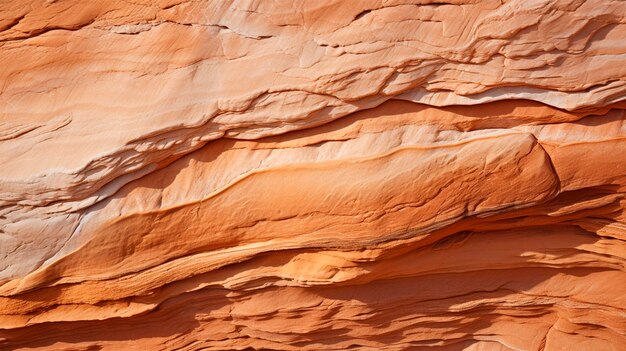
(312, 175)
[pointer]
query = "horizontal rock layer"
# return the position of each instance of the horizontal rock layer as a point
(313, 175)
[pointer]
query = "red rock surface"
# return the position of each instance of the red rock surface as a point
(312, 175)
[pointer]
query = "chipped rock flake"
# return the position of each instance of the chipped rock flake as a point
(131, 28)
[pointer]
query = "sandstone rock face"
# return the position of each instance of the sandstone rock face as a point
(313, 175)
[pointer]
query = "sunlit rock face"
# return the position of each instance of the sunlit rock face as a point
(312, 175)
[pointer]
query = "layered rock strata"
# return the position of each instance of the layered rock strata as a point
(304, 175)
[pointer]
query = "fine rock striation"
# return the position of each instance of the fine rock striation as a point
(313, 175)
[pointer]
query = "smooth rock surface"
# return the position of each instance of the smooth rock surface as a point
(313, 175)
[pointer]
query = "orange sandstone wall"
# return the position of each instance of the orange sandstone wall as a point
(312, 175)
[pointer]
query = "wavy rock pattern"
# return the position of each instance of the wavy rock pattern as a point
(313, 175)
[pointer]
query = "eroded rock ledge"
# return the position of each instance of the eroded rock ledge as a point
(384, 175)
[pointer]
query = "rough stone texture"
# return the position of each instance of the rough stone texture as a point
(312, 175)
